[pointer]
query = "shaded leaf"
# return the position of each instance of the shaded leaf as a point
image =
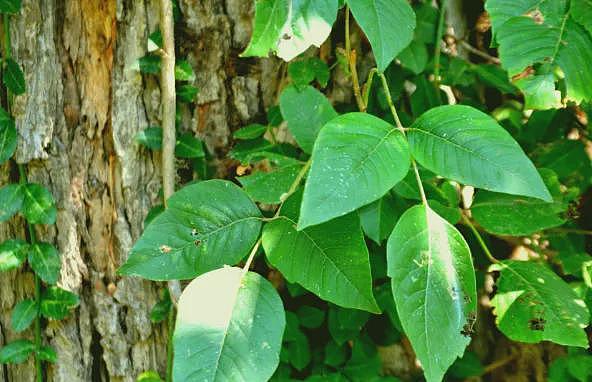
(8, 139)
(13, 77)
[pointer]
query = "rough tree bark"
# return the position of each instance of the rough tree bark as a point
(85, 101)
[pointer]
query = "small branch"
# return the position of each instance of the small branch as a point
(479, 239)
(474, 50)
(351, 57)
(389, 100)
(438, 49)
(251, 257)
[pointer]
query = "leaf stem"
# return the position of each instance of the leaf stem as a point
(438, 49)
(480, 239)
(169, 365)
(389, 100)
(251, 257)
(352, 60)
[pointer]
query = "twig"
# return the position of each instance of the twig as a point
(351, 57)
(438, 48)
(479, 239)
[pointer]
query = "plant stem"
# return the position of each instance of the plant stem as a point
(352, 60)
(30, 229)
(389, 100)
(480, 239)
(251, 257)
(171, 325)
(438, 48)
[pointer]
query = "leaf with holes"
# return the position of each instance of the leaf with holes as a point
(463, 144)
(388, 24)
(229, 328)
(205, 226)
(434, 288)
(356, 159)
(533, 304)
(330, 259)
(270, 19)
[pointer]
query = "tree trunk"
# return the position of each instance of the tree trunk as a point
(85, 101)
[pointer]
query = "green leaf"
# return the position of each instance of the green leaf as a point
(269, 187)
(10, 6)
(306, 110)
(356, 159)
(23, 315)
(503, 214)
(186, 93)
(155, 41)
(331, 259)
(414, 57)
(12, 254)
(379, 218)
(8, 140)
(381, 20)
(13, 77)
(153, 213)
(17, 351)
(56, 303)
(150, 64)
(533, 304)
(45, 261)
(303, 72)
(160, 311)
(335, 355)
(38, 204)
(310, 24)
(466, 145)
(188, 146)
(581, 11)
(496, 77)
(467, 366)
(184, 71)
(150, 138)
(539, 92)
(11, 201)
(223, 314)
(299, 351)
(433, 283)
(270, 18)
(346, 324)
(310, 317)
(533, 32)
(149, 376)
(252, 131)
(197, 233)
(47, 354)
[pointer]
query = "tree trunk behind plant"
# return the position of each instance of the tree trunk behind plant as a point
(85, 101)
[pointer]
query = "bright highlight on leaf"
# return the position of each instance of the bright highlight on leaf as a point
(229, 328)
(434, 288)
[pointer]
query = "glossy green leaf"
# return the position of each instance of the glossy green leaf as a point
(330, 259)
(184, 71)
(229, 328)
(379, 218)
(533, 304)
(356, 159)
(306, 110)
(56, 303)
(23, 315)
(45, 261)
(461, 143)
(188, 146)
(10, 6)
(13, 77)
(17, 351)
(269, 187)
(252, 131)
(270, 19)
(47, 354)
(581, 11)
(11, 200)
(310, 24)
(8, 139)
(434, 288)
(12, 254)
(381, 21)
(206, 225)
(150, 137)
(38, 204)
